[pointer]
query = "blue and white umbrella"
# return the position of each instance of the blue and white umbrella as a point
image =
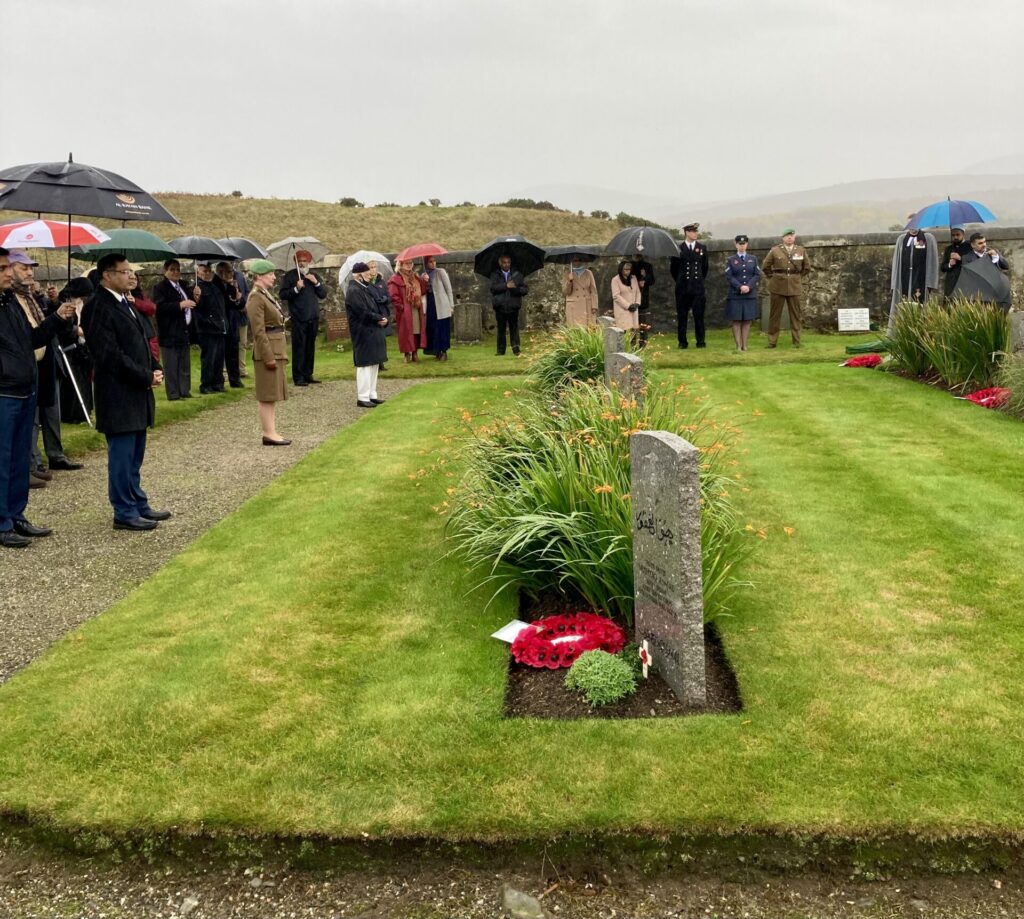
(949, 214)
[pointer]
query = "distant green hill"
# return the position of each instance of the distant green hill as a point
(387, 229)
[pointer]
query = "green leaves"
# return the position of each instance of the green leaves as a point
(603, 678)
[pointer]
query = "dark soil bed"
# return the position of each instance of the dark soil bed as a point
(536, 693)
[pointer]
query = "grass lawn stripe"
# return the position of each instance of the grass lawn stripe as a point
(312, 664)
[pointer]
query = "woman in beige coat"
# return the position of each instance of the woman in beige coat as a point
(269, 349)
(580, 291)
(626, 297)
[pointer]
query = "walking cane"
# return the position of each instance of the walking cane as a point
(74, 382)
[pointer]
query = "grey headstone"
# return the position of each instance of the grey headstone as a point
(1016, 330)
(669, 589)
(625, 373)
(614, 340)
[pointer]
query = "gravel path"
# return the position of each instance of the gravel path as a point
(33, 884)
(201, 470)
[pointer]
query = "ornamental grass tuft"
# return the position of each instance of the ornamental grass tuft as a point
(1011, 376)
(603, 678)
(573, 354)
(962, 342)
(545, 502)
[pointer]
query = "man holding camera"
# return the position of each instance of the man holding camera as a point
(302, 290)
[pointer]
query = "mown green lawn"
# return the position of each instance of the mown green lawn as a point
(315, 664)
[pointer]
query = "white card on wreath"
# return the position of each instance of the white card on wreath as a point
(507, 633)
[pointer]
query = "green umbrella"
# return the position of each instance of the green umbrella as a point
(135, 245)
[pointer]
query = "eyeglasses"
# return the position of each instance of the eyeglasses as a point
(121, 270)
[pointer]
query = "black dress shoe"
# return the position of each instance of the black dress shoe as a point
(155, 515)
(302, 383)
(41, 472)
(204, 391)
(270, 442)
(24, 528)
(65, 464)
(237, 384)
(187, 395)
(35, 482)
(311, 380)
(377, 401)
(11, 540)
(135, 523)
(701, 344)
(363, 404)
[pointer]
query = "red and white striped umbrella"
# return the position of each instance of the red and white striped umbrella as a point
(49, 234)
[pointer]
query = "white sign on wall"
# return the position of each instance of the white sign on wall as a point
(854, 320)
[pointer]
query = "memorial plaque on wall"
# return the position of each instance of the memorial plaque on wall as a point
(337, 326)
(854, 320)
(668, 584)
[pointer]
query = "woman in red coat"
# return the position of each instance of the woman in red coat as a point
(148, 309)
(406, 290)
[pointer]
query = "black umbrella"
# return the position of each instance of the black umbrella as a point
(242, 247)
(202, 248)
(651, 242)
(982, 280)
(563, 255)
(526, 256)
(75, 188)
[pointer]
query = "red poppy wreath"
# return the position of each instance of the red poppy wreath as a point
(557, 641)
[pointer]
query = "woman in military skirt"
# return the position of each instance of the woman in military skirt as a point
(269, 349)
(742, 273)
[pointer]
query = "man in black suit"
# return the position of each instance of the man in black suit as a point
(175, 330)
(951, 261)
(690, 271)
(302, 290)
(125, 372)
(212, 318)
(508, 287)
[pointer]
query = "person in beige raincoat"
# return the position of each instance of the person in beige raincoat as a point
(580, 291)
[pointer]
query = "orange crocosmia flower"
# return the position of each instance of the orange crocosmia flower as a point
(723, 494)
(450, 491)
(627, 497)
(603, 490)
(609, 416)
(466, 416)
(749, 528)
(508, 392)
(788, 531)
(761, 534)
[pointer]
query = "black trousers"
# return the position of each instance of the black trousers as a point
(509, 322)
(211, 361)
(231, 353)
(304, 333)
(177, 371)
(690, 299)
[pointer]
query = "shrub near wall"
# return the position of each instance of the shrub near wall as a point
(962, 343)
(545, 503)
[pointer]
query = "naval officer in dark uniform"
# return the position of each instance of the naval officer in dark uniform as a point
(742, 274)
(690, 270)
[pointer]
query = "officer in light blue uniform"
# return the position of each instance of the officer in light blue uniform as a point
(742, 273)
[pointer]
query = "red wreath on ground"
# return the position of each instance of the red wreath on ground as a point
(557, 641)
(867, 360)
(989, 398)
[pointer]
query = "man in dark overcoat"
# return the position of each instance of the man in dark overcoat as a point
(508, 287)
(690, 271)
(952, 258)
(302, 290)
(18, 381)
(368, 311)
(125, 373)
(212, 323)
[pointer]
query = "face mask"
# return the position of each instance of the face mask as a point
(579, 270)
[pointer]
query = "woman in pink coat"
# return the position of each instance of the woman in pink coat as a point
(626, 297)
(406, 290)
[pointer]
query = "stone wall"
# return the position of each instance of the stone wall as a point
(848, 271)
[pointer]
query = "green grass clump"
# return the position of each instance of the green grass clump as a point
(603, 678)
(962, 342)
(545, 502)
(1011, 375)
(573, 355)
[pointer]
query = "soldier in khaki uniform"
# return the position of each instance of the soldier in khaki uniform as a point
(784, 266)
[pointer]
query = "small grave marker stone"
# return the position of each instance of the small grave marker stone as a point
(626, 374)
(614, 341)
(669, 590)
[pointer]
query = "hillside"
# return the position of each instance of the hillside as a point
(386, 229)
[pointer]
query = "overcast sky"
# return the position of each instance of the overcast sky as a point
(396, 100)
